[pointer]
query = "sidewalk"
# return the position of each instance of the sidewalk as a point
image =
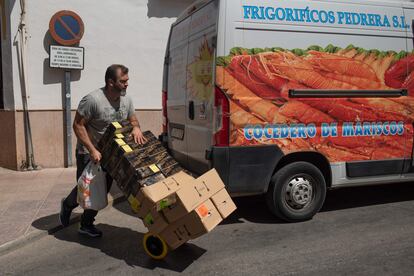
(30, 203)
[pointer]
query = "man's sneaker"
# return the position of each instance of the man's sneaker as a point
(90, 230)
(64, 215)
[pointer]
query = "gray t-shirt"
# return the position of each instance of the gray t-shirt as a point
(99, 112)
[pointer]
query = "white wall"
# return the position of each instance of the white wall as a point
(130, 32)
(6, 60)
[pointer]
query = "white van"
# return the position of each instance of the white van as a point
(289, 98)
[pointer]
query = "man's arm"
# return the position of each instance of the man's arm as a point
(79, 127)
(136, 130)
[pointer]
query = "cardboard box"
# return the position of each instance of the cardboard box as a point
(155, 221)
(190, 196)
(162, 193)
(223, 203)
(203, 219)
(175, 235)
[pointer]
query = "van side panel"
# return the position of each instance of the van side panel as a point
(275, 47)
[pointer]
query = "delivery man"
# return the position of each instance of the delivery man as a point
(95, 112)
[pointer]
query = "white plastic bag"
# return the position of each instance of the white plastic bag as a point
(92, 190)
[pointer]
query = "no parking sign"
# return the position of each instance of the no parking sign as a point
(66, 27)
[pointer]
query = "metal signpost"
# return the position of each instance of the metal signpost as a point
(66, 28)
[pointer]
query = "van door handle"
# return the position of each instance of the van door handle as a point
(191, 110)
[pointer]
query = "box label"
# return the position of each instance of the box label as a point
(202, 210)
(120, 142)
(166, 202)
(116, 125)
(149, 219)
(134, 203)
(154, 168)
(126, 148)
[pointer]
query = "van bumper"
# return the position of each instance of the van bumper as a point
(246, 169)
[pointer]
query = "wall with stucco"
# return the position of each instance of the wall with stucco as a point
(131, 32)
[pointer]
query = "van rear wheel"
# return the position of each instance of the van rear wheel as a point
(296, 192)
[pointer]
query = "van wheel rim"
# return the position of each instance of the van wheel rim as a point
(299, 193)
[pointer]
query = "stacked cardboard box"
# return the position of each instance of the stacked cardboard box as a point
(180, 208)
(171, 202)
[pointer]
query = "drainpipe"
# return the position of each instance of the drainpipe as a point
(29, 164)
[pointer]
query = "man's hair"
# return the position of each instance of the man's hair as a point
(110, 73)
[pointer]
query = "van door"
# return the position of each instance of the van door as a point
(176, 90)
(200, 88)
(409, 22)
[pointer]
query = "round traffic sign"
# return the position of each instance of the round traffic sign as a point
(66, 27)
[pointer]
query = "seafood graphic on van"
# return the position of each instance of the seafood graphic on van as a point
(257, 82)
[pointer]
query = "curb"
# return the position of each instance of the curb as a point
(37, 234)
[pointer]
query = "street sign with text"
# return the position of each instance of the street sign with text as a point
(66, 57)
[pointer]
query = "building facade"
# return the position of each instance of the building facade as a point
(130, 32)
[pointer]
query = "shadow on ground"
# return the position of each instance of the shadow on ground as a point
(125, 244)
(51, 223)
(254, 208)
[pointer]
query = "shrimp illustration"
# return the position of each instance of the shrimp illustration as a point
(341, 65)
(357, 81)
(238, 92)
(239, 117)
(295, 68)
(397, 73)
(250, 78)
(289, 111)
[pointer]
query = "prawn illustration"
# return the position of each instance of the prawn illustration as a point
(396, 75)
(357, 81)
(241, 94)
(239, 117)
(341, 65)
(294, 68)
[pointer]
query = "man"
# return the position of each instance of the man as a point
(95, 112)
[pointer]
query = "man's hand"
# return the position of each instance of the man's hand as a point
(138, 137)
(96, 156)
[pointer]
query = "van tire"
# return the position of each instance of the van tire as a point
(297, 192)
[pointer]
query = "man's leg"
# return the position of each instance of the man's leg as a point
(70, 202)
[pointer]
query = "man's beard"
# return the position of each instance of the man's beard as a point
(122, 92)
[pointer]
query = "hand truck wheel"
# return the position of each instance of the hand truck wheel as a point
(155, 246)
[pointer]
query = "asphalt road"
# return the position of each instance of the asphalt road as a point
(360, 231)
